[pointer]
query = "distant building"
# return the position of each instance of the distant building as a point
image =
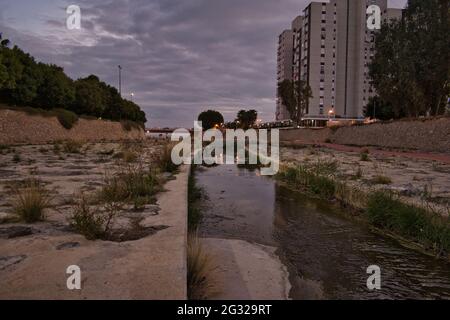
(284, 69)
(332, 49)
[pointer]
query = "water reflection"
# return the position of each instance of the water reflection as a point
(327, 254)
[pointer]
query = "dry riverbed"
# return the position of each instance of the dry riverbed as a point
(126, 262)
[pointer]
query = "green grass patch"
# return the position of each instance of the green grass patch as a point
(131, 184)
(386, 211)
(194, 196)
(316, 178)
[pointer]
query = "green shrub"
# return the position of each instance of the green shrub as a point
(93, 222)
(31, 201)
(364, 156)
(87, 221)
(66, 118)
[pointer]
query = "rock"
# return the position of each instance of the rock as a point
(8, 261)
(408, 190)
(67, 245)
(5, 217)
(168, 176)
(15, 232)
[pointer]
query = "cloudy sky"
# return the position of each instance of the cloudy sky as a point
(179, 57)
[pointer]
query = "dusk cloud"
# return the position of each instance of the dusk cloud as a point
(179, 57)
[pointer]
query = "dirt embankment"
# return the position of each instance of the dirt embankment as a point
(18, 127)
(431, 135)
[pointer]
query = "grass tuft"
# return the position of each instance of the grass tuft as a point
(165, 162)
(93, 222)
(199, 269)
(380, 179)
(71, 146)
(364, 156)
(131, 184)
(31, 201)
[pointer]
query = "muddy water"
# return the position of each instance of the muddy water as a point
(327, 254)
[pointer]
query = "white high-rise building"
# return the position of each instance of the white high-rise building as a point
(332, 49)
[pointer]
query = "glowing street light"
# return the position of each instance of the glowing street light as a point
(331, 113)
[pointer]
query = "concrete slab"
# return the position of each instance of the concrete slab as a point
(246, 271)
(154, 267)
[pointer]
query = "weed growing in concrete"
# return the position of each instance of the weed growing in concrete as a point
(31, 201)
(17, 158)
(380, 179)
(71, 146)
(93, 222)
(199, 269)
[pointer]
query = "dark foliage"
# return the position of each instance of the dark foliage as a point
(25, 82)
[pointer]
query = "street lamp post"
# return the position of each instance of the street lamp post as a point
(132, 95)
(120, 79)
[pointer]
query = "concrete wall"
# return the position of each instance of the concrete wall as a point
(425, 135)
(305, 135)
(18, 127)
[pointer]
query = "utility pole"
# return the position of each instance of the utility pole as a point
(120, 80)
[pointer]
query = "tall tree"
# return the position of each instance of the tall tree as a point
(91, 96)
(247, 118)
(24, 82)
(210, 119)
(295, 96)
(411, 66)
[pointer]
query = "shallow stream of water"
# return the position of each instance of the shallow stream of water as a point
(327, 254)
